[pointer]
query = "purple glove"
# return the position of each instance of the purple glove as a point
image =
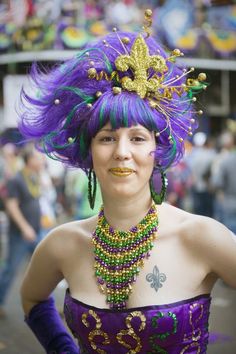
(48, 327)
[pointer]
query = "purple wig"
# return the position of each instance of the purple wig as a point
(70, 107)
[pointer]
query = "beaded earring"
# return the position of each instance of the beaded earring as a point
(92, 188)
(158, 198)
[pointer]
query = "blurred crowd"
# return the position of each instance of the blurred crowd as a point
(202, 183)
(35, 196)
(198, 27)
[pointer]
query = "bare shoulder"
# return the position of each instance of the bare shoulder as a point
(210, 241)
(196, 230)
(202, 230)
(68, 236)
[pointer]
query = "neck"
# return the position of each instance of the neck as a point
(122, 214)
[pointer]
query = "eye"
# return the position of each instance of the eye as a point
(138, 139)
(106, 139)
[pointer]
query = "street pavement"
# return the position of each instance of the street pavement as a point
(16, 338)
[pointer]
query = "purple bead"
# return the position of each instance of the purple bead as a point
(100, 281)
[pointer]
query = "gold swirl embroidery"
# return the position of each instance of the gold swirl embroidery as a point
(196, 331)
(130, 332)
(98, 332)
(95, 332)
(95, 316)
(136, 314)
(192, 345)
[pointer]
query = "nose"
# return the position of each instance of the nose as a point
(122, 150)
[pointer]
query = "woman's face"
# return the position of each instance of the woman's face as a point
(123, 160)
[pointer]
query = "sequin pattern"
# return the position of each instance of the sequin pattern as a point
(177, 328)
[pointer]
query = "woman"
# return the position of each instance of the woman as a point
(140, 273)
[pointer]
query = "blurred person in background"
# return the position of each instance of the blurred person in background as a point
(23, 210)
(10, 163)
(180, 182)
(3, 218)
(122, 13)
(47, 200)
(223, 181)
(225, 143)
(200, 162)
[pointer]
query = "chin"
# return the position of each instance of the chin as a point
(122, 191)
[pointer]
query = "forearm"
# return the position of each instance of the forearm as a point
(47, 325)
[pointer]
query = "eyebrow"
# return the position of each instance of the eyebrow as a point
(113, 130)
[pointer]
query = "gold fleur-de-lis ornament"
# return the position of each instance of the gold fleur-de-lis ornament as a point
(139, 61)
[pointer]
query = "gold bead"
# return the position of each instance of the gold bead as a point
(181, 140)
(200, 112)
(195, 83)
(190, 133)
(202, 77)
(114, 29)
(116, 90)
(152, 104)
(91, 63)
(89, 105)
(194, 99)
(176, 52)
(98, 94)
(148, 12)
(70, 140)
(92, 72)
(125, 40)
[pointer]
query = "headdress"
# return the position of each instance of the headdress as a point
(123, 78)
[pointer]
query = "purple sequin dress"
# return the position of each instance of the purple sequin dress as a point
(177, 328)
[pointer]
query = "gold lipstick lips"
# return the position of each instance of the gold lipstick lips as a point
(121, 171)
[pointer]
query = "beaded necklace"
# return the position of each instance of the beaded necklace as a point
(119, 255)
